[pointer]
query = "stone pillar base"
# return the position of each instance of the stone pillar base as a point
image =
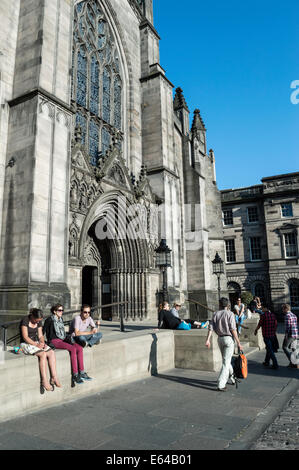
(192, 353)
(248, 335)
(39, 295)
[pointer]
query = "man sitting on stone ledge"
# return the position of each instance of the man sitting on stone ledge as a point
(167, 320)
(80, 328)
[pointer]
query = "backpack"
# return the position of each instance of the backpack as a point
(240, 367)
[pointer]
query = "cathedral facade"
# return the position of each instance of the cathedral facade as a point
(98, 162)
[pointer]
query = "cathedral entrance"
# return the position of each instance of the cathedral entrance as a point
(106, 281)
(90, 285)
(115, 261)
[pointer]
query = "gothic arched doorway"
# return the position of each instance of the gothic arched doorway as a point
(124, 260)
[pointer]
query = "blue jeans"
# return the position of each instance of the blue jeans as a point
(240, 321)
(269, 342)
(90, 340)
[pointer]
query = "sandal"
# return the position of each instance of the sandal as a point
(43, 388)
(55, 382)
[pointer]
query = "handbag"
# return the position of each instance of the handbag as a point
(69, 339)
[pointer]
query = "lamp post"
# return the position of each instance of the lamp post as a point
(163, 261)
(218, 269)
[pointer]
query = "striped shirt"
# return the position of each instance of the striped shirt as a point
(291, 325)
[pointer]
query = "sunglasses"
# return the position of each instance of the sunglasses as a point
(86, 312)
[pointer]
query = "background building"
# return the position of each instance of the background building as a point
(90, 134)
(261, 226)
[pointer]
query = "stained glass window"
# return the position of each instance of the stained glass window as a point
(81, 122)
(81, 77)
(117, 103)
(93, 142)
(105, 140)
(101, 35)
(96, 80)
(106, 95)
(94, 86)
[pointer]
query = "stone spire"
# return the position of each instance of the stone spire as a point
(198, 124)
(179, 100)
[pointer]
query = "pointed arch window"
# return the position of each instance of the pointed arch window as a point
(97, 85)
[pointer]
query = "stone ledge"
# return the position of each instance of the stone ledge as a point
(118, 360)
(192, 353)
(110, 364)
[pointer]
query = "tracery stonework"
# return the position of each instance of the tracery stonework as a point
(96, 81)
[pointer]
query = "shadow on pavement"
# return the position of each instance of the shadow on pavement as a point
(205, 384)
(257, 368)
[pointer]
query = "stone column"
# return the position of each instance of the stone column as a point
(34, 246)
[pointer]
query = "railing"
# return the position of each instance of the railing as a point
(201, 305)
(211, 310)
(4, 326)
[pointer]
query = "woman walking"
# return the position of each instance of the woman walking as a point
(56, 335)
(33, 343)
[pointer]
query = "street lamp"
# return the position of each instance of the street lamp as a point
(218, 269)
(163, 261)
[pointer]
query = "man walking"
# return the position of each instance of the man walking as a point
(268, 323)
(291, 333)
(223, 323)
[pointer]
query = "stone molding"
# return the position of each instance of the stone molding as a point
(54, 111)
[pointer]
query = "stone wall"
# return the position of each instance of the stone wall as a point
(110, 364)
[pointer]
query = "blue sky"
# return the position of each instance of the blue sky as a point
(235, 61)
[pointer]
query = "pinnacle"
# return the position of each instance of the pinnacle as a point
(198, 123)
(179, 100)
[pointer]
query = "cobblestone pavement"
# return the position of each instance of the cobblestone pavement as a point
(283, 433)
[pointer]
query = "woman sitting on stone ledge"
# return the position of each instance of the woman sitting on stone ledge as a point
(169, 321)
(56, 335)
(33, 343)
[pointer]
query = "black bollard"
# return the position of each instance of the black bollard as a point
(122, 326)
